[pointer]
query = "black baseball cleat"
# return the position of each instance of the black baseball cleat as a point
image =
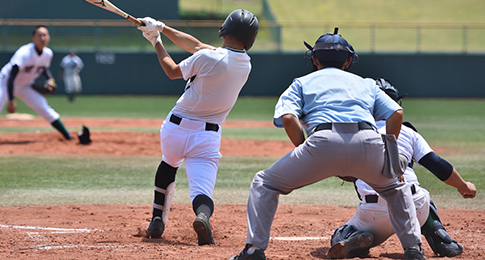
(354, 246)
(156, 228)
(413, 253)
(203, 229)
(258, 254)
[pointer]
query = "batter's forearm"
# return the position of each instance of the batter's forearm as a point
(168, 64)
(185, 41)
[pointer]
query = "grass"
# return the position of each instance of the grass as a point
(453, 124)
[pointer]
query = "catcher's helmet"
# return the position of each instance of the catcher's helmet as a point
(242, 25)
(331, 47)
(386, 86)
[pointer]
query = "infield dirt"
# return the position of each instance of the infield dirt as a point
(117, 231)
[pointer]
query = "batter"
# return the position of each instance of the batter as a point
(27, 64)
(192, 131)
(337, 110)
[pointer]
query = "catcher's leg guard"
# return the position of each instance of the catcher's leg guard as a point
(437, 237)
(347, 242)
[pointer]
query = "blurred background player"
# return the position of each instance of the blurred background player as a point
(191, 131)
(71, 65)
(372, 213)
(17, 76)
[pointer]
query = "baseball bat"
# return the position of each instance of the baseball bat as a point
(107, 5)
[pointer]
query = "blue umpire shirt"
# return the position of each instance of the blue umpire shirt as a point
(333, 95)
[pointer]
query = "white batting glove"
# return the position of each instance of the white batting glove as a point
(151, 24)
(152, 36)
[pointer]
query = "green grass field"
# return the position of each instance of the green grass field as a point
(455, 124)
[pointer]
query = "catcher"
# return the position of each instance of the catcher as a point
(17, 79)
(371, 225)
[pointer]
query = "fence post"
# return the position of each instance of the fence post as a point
(373, 38)
(418, 39)
(464, 34)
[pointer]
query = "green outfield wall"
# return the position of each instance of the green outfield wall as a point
(419, 75)
(79, 9)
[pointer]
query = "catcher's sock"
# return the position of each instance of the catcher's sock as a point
(429, 223)
(60, 127)
(203, 204)
(164, 176)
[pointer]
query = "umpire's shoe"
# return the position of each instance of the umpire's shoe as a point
(413, 253)
(355, 246)
(258, 254)
(156, 228)
(203, 229)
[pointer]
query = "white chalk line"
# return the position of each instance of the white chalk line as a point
(49, 247)
(59, 230)
(36, 235)
(299, 238)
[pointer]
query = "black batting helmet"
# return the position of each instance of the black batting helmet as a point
(386, 86)
(332, 47)
(242, 25)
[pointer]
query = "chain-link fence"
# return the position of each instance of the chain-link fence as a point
(122, 36)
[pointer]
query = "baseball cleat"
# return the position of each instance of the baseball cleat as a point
(156, 228)
(413, 253)
(354, 246)
(258, 254)
(203, 229)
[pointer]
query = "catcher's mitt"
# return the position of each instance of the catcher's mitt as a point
(45, 88)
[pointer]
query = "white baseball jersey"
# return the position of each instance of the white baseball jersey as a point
(30, 63)
(411, 144)
(72, 64)
(219, 75)
(374, 216)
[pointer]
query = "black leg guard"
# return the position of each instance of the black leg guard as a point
(437, 237)
(164, 176)
(204, 204)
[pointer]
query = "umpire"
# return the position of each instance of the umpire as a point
(337, 110)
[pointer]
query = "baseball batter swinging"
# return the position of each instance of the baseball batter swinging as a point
(26, 65)
(191, 132)
(371, 226)
(337, 110)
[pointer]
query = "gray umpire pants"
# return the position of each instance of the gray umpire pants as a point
(342, 151)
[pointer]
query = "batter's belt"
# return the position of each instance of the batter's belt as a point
(208, 126)
(374, 197)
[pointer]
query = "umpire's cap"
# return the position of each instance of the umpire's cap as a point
(242, 25)
(386, 86)
(331, 47)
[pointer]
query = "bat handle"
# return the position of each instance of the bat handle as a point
(136, 21)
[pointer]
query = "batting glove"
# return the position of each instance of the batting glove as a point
(151, 24)
(152, 36)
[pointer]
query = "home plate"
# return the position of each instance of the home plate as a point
(299, 238)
